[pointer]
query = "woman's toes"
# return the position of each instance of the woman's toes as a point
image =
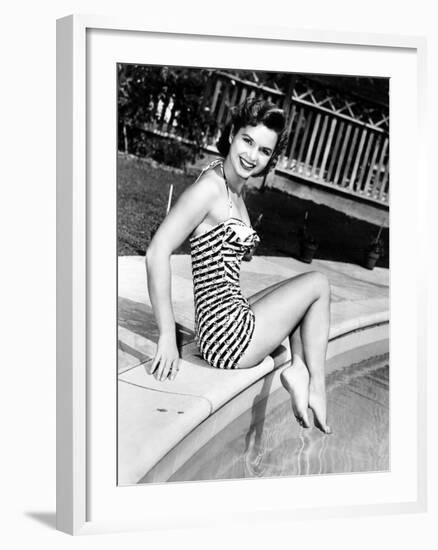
(303, 422)
(306, 421)
(325, 428)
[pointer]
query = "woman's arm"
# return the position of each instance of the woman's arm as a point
(188, 212)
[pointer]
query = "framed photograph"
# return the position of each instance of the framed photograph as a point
(143, 114)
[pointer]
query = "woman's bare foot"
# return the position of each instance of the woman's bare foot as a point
(296, 381)
(318, 404)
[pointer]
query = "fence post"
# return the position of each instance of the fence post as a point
(125, 139)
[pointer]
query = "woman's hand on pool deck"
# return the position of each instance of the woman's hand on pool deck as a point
(166, 361)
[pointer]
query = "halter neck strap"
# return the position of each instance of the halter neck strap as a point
(213, 164)
(230, 204)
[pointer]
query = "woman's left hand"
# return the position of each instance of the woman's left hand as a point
(165, 364)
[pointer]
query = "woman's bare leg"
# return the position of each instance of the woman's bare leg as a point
(296, 344)
(294, 378)
(306, 299)
(314, 337)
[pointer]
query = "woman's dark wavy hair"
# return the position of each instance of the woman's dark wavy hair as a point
(251, 113)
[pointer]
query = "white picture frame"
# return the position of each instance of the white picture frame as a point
(80, 498)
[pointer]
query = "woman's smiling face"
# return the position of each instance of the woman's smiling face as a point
(251, 149)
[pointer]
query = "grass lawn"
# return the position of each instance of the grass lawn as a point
(142, 199)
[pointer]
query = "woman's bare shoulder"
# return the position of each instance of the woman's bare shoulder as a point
(201, 194)
(209, 182)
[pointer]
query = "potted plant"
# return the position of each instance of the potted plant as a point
(308, 243)
(374, 250)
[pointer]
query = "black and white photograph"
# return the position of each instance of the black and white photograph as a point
(253, 274)
(219, 226)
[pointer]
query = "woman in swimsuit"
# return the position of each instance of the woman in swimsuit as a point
(231, 331)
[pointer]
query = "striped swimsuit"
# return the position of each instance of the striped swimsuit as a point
(224, 321)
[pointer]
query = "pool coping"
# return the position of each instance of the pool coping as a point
(151, 427)
(267, 394)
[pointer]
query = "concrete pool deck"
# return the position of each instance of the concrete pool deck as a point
(154, 417)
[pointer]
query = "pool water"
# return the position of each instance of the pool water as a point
(267, 441)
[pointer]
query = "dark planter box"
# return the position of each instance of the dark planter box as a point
(371, 258)
(307, 251)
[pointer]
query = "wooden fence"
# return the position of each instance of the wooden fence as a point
(227, 91)
(339, 143)
(336, 141)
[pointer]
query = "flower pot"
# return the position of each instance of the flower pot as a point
(307, 251)
(371, 258)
